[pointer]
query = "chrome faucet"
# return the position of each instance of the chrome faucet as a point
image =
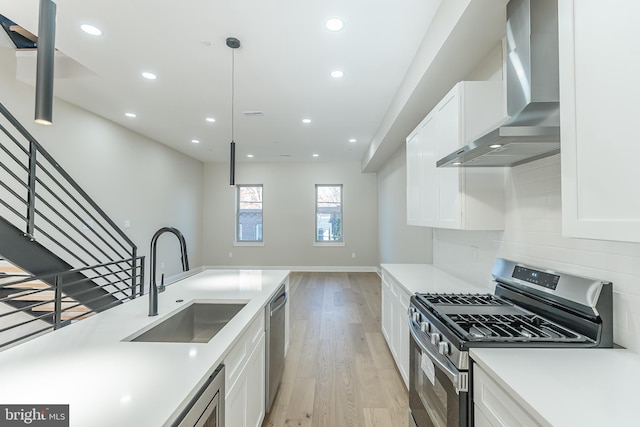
(153, 287)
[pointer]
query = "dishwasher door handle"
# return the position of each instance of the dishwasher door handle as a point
(285, 298)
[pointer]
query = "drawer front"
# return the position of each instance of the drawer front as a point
(496, 405)
(239, 355)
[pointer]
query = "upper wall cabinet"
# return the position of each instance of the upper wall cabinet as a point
(458, 198)
(599, 91)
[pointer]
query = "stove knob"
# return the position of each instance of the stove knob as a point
(435, 339)
(426, 327)
(443, 348)
(416, 317)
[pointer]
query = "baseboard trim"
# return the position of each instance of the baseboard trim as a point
(304, 269)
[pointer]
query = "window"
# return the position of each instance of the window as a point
(328, 213)
(249, 213)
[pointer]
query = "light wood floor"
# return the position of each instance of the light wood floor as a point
(338, 371)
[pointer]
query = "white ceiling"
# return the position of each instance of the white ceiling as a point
(281, 69)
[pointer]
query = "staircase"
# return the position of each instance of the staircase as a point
(62, 259)
(37, 296)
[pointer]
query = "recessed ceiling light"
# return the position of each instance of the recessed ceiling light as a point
(250, 155)
(334, 24)
(132, 115)
(495, 146)
(352, 140)
(456, 163)
(195, 141)
(315, 155)
(337, 74)
(306, 121)
(149, 76)
(210, 119)
(90, 29)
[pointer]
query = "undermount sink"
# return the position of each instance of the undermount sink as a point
(197, 323)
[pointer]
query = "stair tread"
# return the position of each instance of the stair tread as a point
(33, 284)
(37, 296)
(75, 315)
(11, 269)
(65, 306)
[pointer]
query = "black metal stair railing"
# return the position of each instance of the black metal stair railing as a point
(52, 213)
(36, 310)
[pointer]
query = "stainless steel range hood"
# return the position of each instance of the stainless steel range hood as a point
(533, 128)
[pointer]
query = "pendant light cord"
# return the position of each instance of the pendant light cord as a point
(233, 43)
(233, 85)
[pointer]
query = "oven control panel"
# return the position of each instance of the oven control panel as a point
(540, 278)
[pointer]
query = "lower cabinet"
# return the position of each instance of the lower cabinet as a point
(395, 328)
(494, 406)
(245, 381)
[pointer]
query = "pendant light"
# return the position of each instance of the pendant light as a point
(233, 43)
(44, 62)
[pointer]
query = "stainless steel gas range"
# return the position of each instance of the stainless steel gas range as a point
(530, 307)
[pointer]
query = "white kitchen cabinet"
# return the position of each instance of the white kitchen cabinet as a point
(255, 390)
(387, 310)
(245, 378)
(395, 328)
(599, 69)
(458, 198)
(494, 406)
(414, 156)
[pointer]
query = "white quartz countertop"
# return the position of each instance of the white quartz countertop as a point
(569, 387)
(428, 278)
(111, 382)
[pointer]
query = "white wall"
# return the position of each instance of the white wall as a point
(130, 176)
(399, 242)
(289, 222)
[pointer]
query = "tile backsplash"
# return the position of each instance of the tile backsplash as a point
(533, 235)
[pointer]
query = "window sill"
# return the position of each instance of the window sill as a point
(248, 243)
(328, 244)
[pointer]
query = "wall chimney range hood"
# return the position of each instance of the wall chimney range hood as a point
(532, 130)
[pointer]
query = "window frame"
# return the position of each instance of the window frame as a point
(238, 225)
(329, 242)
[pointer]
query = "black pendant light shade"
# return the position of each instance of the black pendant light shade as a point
(45, 61)
(233, 43)
(232, 164)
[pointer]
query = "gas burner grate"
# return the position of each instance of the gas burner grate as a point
(462, 299)
(511, 327)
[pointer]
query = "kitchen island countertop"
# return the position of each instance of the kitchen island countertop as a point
(111, 382)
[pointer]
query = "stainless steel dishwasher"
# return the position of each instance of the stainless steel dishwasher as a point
(274, 355)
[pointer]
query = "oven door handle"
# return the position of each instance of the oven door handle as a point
(459, 380)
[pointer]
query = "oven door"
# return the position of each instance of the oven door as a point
(438, 392)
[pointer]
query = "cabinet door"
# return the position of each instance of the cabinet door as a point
(255, 383)
(387, 311)
(403, 341)
(494, 405)
(429, 173)
(414, 168)
(480, 419)
(448, 131)
(397, 332)
(599, 91)
(234, 404)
